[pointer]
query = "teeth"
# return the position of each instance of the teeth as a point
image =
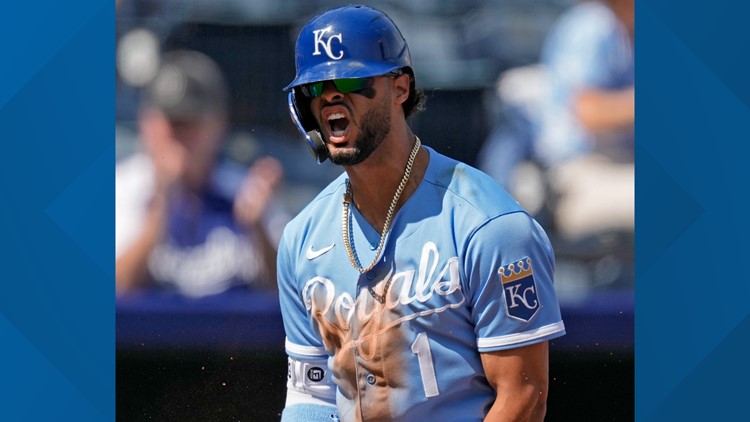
(336, 116)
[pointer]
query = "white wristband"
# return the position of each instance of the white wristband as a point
(310, 377)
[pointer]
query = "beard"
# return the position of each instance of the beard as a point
(376, 125)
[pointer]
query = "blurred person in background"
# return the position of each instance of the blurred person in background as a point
(572, 114)
(185, 219)
(586, 129)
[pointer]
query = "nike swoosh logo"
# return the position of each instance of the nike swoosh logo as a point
(312, 254)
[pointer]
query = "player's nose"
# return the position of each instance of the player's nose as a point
(330, 92)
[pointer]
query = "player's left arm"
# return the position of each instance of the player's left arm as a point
(510, 265)
(520, 378)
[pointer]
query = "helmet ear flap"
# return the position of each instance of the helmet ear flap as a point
(302, 104)
(305, 123)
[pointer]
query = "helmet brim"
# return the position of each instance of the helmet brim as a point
(327, 71)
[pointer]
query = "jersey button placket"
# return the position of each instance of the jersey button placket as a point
(362, 384)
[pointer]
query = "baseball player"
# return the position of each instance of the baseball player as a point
(412, 287)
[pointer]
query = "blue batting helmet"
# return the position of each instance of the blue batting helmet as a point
(349, 42)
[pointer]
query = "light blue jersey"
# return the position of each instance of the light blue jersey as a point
(464, 270)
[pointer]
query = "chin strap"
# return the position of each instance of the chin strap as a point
(312, 137)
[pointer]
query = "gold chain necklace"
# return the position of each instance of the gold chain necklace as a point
(347, 217)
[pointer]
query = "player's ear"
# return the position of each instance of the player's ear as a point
(401, 88)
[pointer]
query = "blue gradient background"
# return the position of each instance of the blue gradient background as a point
(57, 205)
(57, 210)
(692, 208)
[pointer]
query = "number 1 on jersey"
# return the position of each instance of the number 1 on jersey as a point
(421, 347)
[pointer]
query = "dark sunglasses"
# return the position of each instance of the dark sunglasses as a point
(344, 86)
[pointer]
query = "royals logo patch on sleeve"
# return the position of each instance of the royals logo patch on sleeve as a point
(520, 290)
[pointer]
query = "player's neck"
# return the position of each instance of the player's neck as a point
(375, 181)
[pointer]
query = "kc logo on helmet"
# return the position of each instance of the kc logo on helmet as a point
(520, 289)
(326, 44)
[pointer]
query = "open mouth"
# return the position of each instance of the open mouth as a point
(337, 125)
